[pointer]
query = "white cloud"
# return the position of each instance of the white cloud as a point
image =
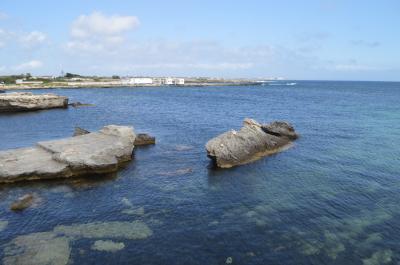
(33, 38)
(98, 24)
(31, 65)
(97, 32)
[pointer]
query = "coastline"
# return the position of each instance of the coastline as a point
(62, 86)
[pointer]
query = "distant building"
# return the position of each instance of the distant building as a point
(139, 81)
(172, 81)
(27, 82)
(167, 81)
(179, 81)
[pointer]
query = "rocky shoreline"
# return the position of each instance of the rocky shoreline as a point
(27, 101)
(100, 152)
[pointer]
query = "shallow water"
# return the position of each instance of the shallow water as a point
(333, 198)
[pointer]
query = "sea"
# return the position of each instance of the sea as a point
(332, 198)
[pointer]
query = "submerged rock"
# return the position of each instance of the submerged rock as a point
(144, 139)
(54, 247)
(37, 249)
(108, 245)
(3, 225)
(250, 143)
(100, 152)
(127, 230)
(79, 104)
(22, 202)
(26, 101)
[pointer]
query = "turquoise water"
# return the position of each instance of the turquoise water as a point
(331, 199)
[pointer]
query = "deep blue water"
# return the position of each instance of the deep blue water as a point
(334, 198)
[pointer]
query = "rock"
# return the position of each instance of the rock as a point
(250, 143)
(178, 172)
(100, 152)
(280, 129)
(144, 139)
(229, 260)
(141, 138)
(3, 225)
(79, 131)
(129, 230)
(22, 203)
(108, 245)
(37, 249)
(26, 101)
(79, 104)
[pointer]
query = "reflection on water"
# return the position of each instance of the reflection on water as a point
(330, 199)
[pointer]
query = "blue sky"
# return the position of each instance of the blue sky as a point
(316, 39)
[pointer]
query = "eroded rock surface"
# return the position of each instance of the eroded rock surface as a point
(144, 139)
(250, 143)
(94, 153)
(26, 101)
(22, 202)
(54, 247)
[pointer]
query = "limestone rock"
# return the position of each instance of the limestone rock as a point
(280, 129)
(79, 131)
(37, 249)
(144, 139)
(94, 153)
(250, 143)
(26, 101)
(22, 203)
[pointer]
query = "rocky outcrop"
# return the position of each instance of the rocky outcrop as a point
(144, 139)
(94, 153)
(141, 138)
(26, 101)
(79, 131)
(252, 142)
(22, 202)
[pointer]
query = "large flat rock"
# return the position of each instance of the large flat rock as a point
(94, 153)
(252, 142)
(26, 101)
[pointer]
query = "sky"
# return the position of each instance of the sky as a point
(310, 39)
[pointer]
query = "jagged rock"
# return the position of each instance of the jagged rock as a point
(94, 153)
(79, 131)
(144, 139)
(22, 203)
(26, 101)
(250, 143)
(280, 129)
(141, 138)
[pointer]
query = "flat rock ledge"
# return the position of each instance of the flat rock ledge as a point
(26, 101)
(252, 142)
(101, 152)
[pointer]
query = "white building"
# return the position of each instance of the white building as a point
(139, 81)
(179, 81)
(25, 82)
(172, 81)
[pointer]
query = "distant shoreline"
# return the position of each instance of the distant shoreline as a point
(58, 86)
